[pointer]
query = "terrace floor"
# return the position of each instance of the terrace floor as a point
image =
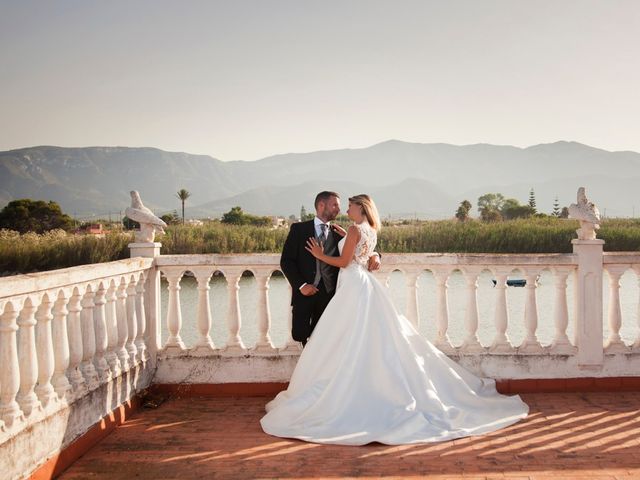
(567, 435)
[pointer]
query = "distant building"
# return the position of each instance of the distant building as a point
(278, 222)
(95, 229)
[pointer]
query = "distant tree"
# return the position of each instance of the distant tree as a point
(304, 216)
(28, 215)
(491, 216)
(489, 206)
(520, 211)
(171, 218)
(182, 196)
(464, 208)
(236, 216)
(129, 224)
(511, 209)
(556, 207)
(532, 199)
(564, 213)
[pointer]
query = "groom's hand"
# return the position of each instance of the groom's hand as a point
(308, 290)
(374, 262)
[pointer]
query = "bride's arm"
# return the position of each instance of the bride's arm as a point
(349, 248)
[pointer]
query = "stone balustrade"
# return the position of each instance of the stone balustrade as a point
(74, 336)
(65, 335)
(442, 266)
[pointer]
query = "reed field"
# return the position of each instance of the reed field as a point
(56, 249)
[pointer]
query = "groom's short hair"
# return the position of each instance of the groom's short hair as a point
(323, 197)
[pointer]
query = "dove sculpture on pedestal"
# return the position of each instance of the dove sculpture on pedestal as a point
(588, 215)
(149, 223)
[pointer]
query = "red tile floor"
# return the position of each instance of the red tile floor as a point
(567, 435)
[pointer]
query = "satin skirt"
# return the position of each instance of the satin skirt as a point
(366, 375)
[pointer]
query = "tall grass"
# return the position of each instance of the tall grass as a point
(221, 238)
(539, 235)
(31, 252)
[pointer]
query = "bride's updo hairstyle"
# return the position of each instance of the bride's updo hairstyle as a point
(368, 209)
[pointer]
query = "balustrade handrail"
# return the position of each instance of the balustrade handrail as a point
(621, 257)
(31, 283)
(389, 258)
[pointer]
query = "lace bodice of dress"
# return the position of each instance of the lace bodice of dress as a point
(365, 246)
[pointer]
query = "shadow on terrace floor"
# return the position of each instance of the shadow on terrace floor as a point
(581, 435)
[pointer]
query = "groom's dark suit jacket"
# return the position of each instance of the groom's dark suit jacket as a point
(299, 266)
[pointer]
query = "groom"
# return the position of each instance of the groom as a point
(313, 282)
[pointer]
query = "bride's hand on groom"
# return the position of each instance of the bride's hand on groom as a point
(338, 229)
(314, 247)
(374, 262)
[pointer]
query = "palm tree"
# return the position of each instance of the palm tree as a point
(183, 195)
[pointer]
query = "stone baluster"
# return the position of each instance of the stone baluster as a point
(123, 328)
(614, 343)
(141, 316)
(174, 315)
(10, 411)
(501, 343)
(132, 321)
(88, 339)
(102, 341)
(291, 347)
(413, 311)
(75, 344)
(442, 310)
(44, 348)
(471, 343)
(204, 345)
(561, 344)
(60, 345)
(530, 344)
(234, 344)
(27, 359)
(263, 344)
(111, 317)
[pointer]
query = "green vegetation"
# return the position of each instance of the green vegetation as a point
(216, 237)
(462, 214)
(31, 252)
(28, 215)
(57, 249)
(236, 216)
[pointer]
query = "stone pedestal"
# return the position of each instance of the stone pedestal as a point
(149, 250)
(588, 306)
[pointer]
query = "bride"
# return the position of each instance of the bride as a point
(367, 375)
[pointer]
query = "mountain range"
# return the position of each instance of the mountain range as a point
(406, 179)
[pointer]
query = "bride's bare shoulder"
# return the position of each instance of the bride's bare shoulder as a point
(353, 231)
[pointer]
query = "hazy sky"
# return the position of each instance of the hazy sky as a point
(246, 79)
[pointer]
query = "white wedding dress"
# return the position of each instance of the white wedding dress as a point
(367, 375)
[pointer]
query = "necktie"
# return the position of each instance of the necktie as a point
(323, 232)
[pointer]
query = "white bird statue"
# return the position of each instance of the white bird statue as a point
(588, 215)
(149, 223)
